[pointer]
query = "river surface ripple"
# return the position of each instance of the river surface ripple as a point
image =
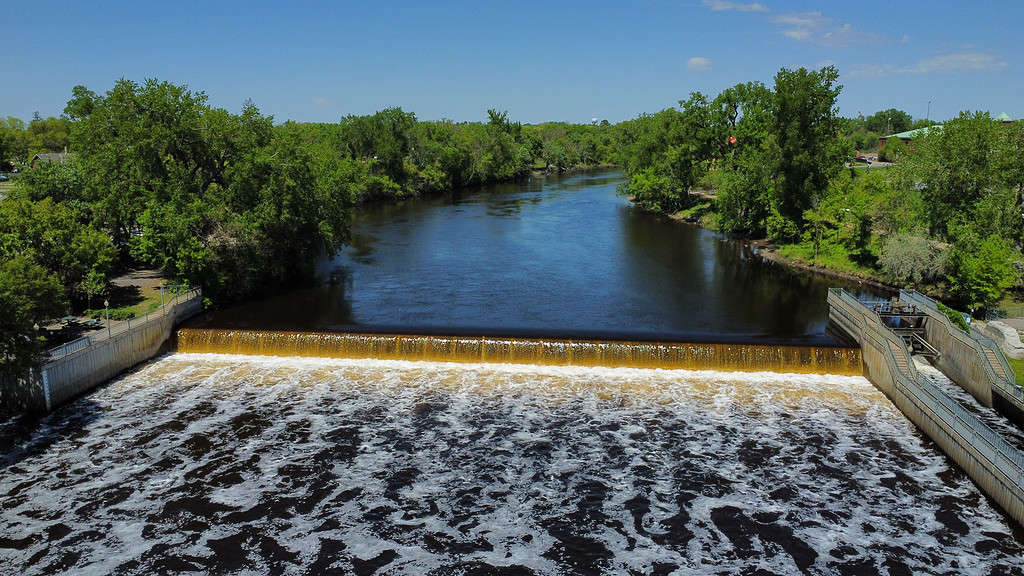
(290, 466)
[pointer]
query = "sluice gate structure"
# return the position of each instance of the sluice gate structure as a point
(974, 361)
(550, 352)
(994, 465)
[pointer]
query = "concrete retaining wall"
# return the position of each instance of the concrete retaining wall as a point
(995, 466)
(959, 359)
(60, 380)
(974, 361)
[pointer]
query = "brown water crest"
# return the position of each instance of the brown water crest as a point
(613, 354)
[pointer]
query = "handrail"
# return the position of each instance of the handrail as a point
(978, 342)
(1006, 458)
(167, 307)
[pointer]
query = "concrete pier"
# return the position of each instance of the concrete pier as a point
(994, 465)
(974, 361)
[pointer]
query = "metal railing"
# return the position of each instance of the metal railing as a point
(114, 328)
(985, 441)
(979, 343)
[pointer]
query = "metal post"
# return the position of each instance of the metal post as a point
(106, 306)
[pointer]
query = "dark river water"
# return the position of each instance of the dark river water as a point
(258, 465)
(557, 256)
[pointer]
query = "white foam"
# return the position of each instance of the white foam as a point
(498, 453)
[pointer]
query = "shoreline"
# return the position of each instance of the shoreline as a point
(766, 249)
(579, 168)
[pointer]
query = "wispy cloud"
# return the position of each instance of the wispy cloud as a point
(726, 6)
(321, 101)
(818, 29)
(698, 64)
(942, 63)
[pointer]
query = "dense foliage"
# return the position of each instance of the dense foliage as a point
(20, 141)
(949, 216)
(771, 152)
(232, 202)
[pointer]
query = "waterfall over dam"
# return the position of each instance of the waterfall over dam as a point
(734, 357)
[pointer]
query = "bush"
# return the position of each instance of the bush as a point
(117, 314)
(893, 150)
(911, 258)
(957, 318)
(981, 271)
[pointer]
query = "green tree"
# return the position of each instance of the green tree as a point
(954, 168)
(889, 121)
(806, 131)
(980, 270)
(29, 295)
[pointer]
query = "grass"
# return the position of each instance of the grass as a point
(1018, 367)
(696, 211)
(830, 256)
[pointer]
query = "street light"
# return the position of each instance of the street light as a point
(106, 306)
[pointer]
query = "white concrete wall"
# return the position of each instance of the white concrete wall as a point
(58, 381)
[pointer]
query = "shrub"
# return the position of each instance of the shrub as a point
(893, 150)
(117, 314)
(908, 257)
(957, 318)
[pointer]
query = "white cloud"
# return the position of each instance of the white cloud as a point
(962, 61)
(698, 64)
(942, 63)
(818, 29)
(321, 101)
(726, 6)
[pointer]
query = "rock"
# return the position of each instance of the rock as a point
(1007, 337)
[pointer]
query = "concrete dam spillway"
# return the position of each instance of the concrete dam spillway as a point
(549, 352)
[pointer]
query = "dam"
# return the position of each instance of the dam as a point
(310, 433)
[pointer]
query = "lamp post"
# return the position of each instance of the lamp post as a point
(106, 306)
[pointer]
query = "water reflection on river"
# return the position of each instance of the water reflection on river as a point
(262, 465)
(551, 256)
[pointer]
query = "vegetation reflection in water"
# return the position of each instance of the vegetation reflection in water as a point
(669, 355)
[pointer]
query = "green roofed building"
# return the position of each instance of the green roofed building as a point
(910, 134)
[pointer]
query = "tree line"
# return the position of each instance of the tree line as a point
(232, 202)
(774, 162)
(239, 204)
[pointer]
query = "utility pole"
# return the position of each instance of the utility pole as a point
(928, 114)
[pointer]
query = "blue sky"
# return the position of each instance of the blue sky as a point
(540, 61)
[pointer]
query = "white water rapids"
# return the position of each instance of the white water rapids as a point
(283, 465)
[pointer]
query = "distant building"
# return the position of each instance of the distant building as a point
(909, 134)
(1004, 118)
(49, 158)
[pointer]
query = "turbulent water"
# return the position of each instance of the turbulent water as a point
(250, 465)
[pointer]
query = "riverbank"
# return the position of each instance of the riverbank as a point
(767, 250)
(554, 171)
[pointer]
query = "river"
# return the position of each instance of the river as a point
(555, 256)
